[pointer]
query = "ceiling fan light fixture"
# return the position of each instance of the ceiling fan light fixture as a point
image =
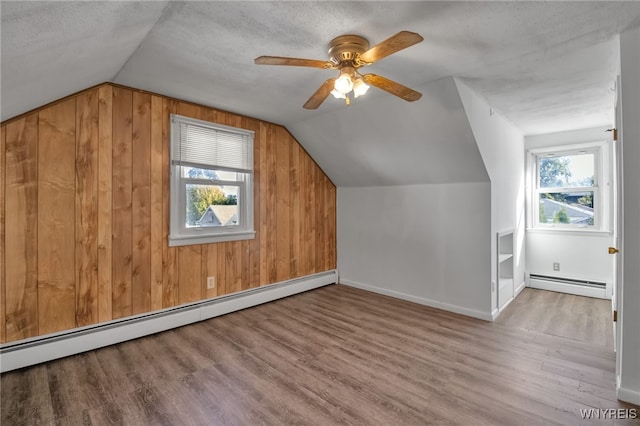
(359, 87)
(337, 94)
(347, 54)
(343, 84)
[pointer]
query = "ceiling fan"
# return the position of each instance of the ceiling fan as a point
(348, 53)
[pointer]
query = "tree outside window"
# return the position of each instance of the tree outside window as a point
(566, 188)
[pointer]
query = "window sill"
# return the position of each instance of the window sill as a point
(550, 230)
(187, 240)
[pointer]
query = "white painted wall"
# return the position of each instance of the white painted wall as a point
(501, 145)
(591, 134)
(581, 255)
(630, 307)
(441, 247)
(425, 243)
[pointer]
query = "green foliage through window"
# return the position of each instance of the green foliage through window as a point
(543, 215)
(554, 172)
(586, 200)
(200, 197)
(566, 186)
(561, 216)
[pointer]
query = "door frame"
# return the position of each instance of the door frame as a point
(618, 203)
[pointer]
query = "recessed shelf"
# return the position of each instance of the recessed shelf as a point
(506, 282)
(505, 266)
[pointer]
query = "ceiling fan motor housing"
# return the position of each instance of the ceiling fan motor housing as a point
(347, 48)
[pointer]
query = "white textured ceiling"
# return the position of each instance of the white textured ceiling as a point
(546, 66)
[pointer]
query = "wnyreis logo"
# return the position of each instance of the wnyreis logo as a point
(608, 413)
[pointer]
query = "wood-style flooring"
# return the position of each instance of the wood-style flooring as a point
(336, 355)
(586, 319)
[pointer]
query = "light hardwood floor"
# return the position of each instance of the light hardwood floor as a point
(586, 319)
(336, 355)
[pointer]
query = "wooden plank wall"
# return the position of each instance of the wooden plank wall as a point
(84, 207)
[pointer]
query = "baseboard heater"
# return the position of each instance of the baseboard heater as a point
(46, 348)
(571, 281)
(579, 287)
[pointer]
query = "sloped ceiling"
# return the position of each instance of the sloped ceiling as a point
(546, 66)
(438, 148)
(53, 49)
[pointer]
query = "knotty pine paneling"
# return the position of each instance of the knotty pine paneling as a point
(86, 208)
(105, 203)
(330, 217)
(209, 268)
(3, 328)
(141, 204)
(283, 206)
(156, 196)
(56, 219)
(189, 257)
(84, 212)
(295, 152)
(270, 205)
(254, 245)
(21, 228)
(310, 216)
(122, 188)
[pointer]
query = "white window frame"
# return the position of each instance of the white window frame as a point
(600, 189)
(179, 233)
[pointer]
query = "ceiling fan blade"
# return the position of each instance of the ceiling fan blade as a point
(295, 62)
(321, 94)
(393, 44)
(392, 87)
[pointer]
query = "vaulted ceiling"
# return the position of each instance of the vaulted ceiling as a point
(546, 66)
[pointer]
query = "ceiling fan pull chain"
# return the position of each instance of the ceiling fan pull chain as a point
(347, 101)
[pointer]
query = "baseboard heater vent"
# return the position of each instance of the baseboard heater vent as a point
(586, 283)
(46, 348)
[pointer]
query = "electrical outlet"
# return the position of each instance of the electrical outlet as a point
(556, 266)
(211, 282)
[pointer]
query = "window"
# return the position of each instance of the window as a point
(566, 190)
(211, 182)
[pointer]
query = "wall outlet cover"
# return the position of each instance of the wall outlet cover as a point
(211, 282)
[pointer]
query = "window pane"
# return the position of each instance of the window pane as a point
(574, 170)
(211, 182)
(212, 205)
(229, 176)
(196, 173)
(566, 208)
(211, 174)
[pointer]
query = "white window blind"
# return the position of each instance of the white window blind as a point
(202, 145)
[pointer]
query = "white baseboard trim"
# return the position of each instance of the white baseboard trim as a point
(507, 303)
(58, 345)
(578, 290)
(516, 292)
(628, 395)
(487, 316)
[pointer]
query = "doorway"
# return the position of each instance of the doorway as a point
(571, 211)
